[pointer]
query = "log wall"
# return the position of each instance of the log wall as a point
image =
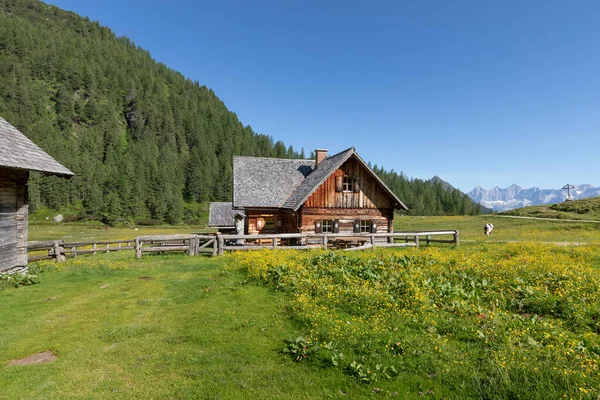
(370, 194)
(271, 221)
(13, 218)
(346, 217)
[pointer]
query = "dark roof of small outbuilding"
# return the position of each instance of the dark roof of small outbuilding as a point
(17, 151)
(267, 182)
(222, 214)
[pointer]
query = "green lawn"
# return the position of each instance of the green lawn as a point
(586, 209)
(192, 327)
(505, 229)
(193, 330)
(471, 228)
(77, 231)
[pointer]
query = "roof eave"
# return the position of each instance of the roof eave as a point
(382, 183)
(351, 151)
(67, 175)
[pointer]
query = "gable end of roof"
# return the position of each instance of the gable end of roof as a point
(19, 152)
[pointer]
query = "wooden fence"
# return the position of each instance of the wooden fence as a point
(58, 249)
(217, 244)
(192, 244)
(346, 241)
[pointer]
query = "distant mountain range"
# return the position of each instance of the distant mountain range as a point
(515, 196)
(449, 188)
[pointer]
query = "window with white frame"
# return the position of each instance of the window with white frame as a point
(327, 226)
(347, 184)
(365, 226)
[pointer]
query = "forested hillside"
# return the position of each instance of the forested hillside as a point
(429, 197)
(141, 138)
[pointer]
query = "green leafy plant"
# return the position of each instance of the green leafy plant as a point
(299, 349)
(18, 280)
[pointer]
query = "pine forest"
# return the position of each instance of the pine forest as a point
(146, 143)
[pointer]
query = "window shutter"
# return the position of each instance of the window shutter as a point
(356, 184)
(338, 183)
(319, 226)
(373, 226)
(357, 226)
(336, 226)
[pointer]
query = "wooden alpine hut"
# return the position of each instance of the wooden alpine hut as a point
(337, 194)
(18, 156)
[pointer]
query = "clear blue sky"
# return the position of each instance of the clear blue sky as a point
(478, 92)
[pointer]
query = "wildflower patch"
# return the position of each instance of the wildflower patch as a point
(493, 321)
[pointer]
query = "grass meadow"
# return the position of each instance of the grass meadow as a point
(509, 316)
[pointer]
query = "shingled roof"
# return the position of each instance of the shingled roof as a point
(267, 182)
(327, 167)
(17, 151)
(223, 214)
(282, 183)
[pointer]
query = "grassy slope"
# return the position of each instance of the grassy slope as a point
(193, 331)
(587, 209)
(505, 229)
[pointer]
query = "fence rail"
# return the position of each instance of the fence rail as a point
(58, 249)
(217, 244)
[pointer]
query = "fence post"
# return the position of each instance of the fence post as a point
(427, 239)
(214, 253)
(417, 240)
(274, 242)
(94, 248)
(456, 238)
(325, 241)
(373, 241)
(221, 245)
(192, 244)
(59, 257)
(74, 251)
(138, 247)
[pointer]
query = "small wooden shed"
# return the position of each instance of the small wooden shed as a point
(18, 156)
(226, 218)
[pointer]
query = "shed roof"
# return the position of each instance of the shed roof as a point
(17, 151)
(267, 182)
(222, 214)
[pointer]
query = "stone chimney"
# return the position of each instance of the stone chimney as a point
(321, 154)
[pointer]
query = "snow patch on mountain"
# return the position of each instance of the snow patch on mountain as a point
(515, 196)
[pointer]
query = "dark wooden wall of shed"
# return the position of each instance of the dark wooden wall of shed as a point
(371, 194)
(13, 218)
(271, 221)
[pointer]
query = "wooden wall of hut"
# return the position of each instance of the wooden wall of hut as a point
(13, 218)
(271, 221)
(366, 192)
(346, 218)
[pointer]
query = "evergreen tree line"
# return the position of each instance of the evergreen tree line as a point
(140, 137)
(428, 197)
